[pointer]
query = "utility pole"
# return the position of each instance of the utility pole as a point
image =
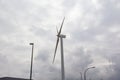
(31, 61)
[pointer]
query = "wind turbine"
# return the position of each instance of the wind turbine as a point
(60, 36)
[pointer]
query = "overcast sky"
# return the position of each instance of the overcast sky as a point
(92, 29)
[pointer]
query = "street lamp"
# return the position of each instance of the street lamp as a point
(81, 75)
(31, 61)
(86, 72)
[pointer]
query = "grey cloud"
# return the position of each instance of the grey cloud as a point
(69, 3)
(43, 56)
(115, 60)
(110, 13)
(76, 62)
(38, 31)
(17, 18)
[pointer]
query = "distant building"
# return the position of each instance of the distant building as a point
(12, 78)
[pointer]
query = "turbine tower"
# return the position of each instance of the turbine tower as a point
(60, 36)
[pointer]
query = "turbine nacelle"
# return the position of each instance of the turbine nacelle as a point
(62, 36)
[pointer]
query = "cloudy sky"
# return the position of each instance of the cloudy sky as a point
(92, 29)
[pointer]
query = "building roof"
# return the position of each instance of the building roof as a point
(12, 78)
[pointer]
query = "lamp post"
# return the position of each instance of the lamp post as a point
(86, 72)
(31, 61)
(81, 75)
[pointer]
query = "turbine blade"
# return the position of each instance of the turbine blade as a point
(55, 49)
(58, 39)
(61, 26)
